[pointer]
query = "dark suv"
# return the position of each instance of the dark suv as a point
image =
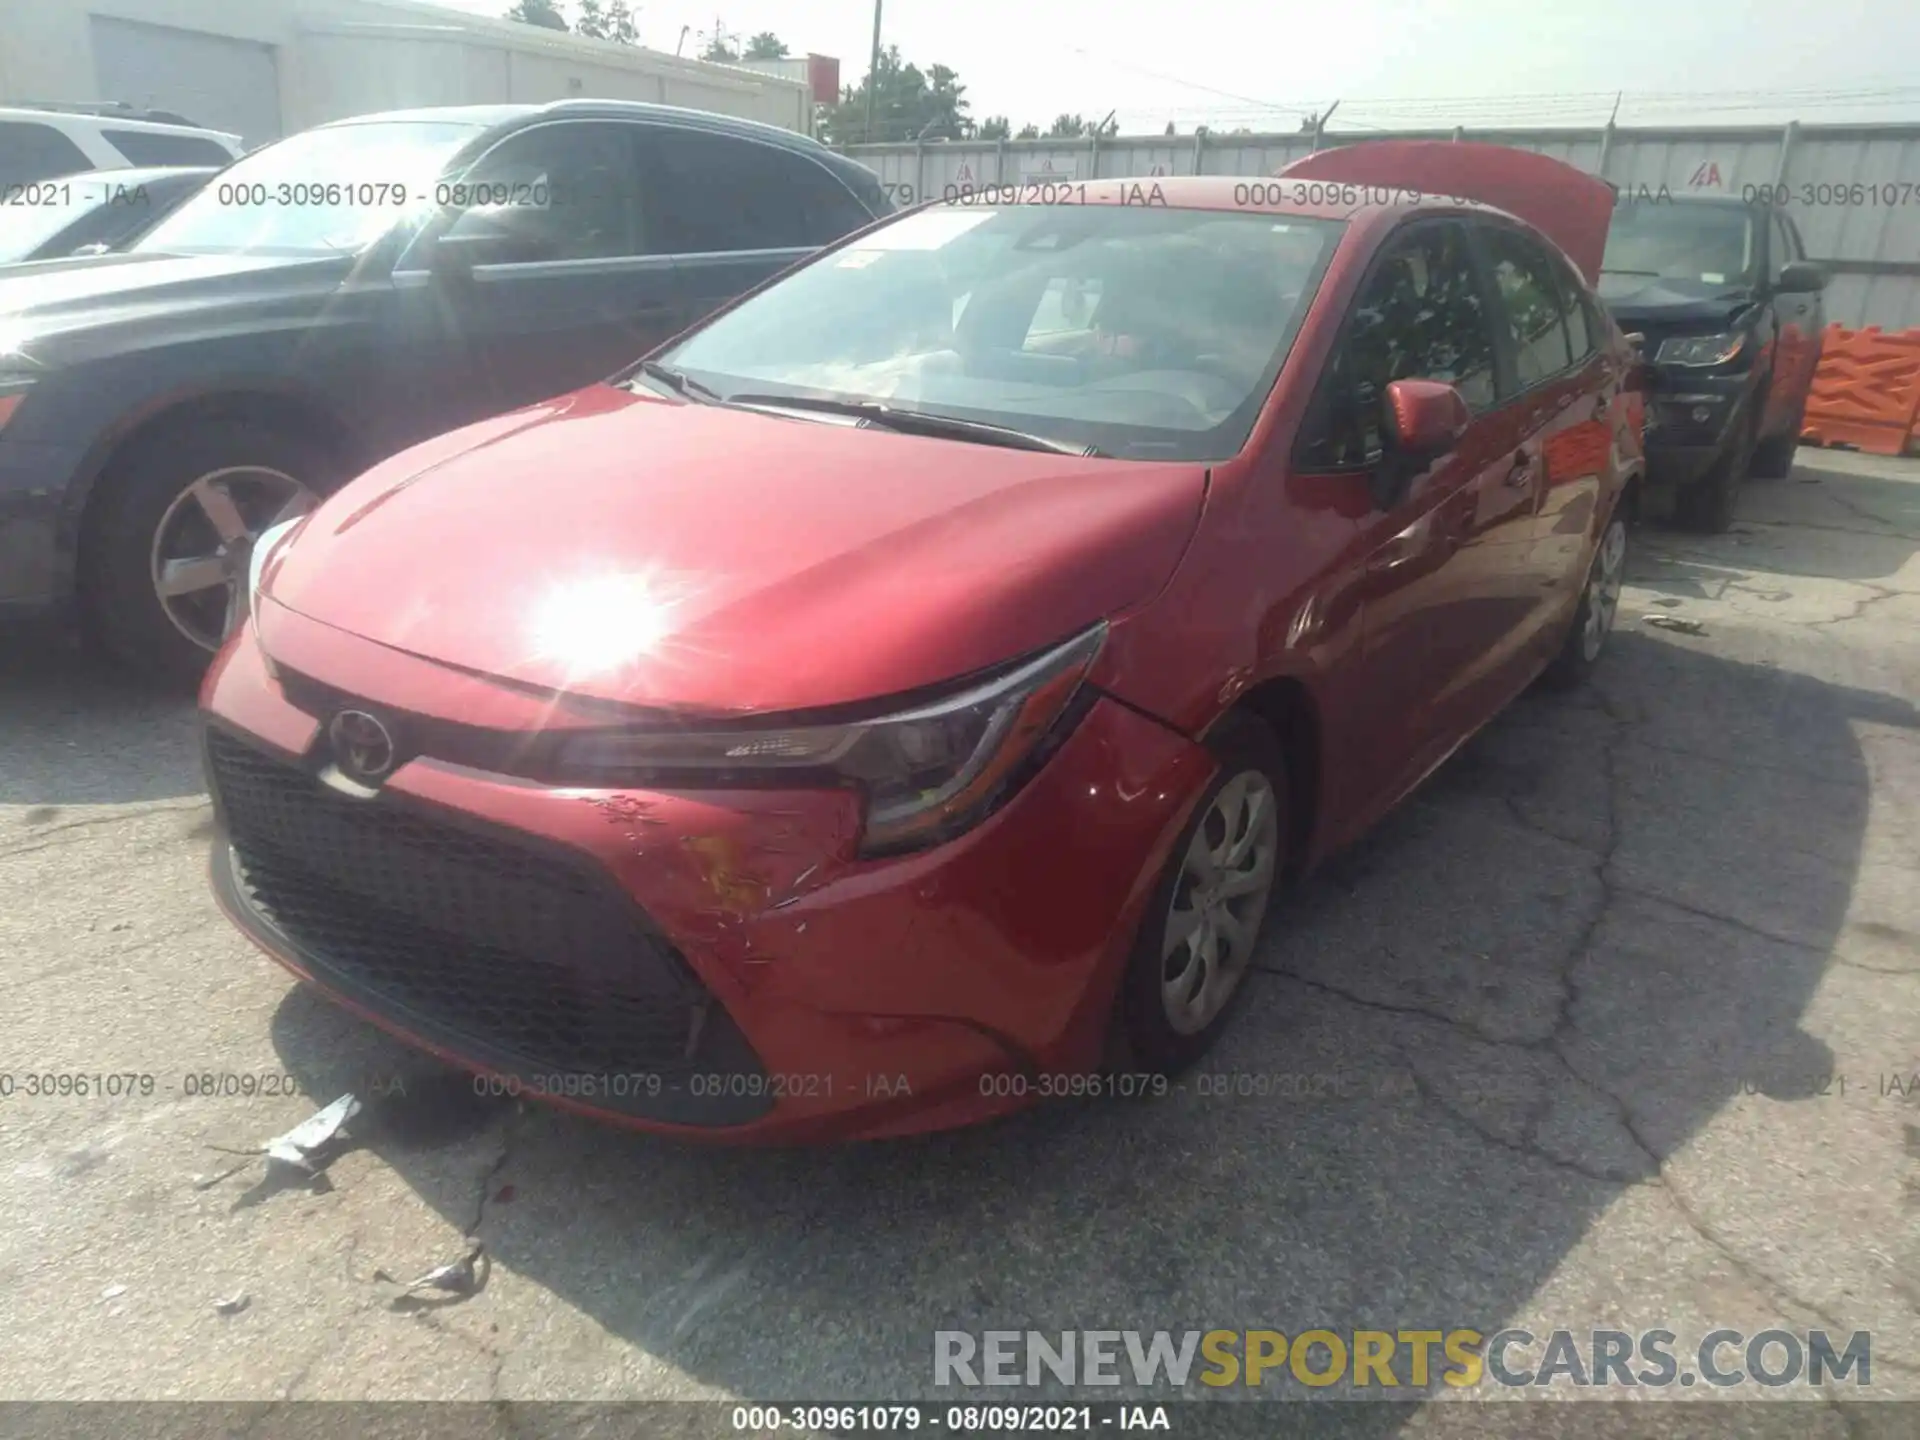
(1730, 314)
(334, 298)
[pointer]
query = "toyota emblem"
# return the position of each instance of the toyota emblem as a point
(361, 744)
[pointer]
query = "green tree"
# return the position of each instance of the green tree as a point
(1067, 127)
(996, 127)
(544, 13)
(1169, 127)
(607, 20)
(1028, 132)
(907, 104)
(766, 46)
(720, 47)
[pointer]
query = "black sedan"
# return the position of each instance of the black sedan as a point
(334, 298)
(91, 213)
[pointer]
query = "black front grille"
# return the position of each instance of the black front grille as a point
(510, 955)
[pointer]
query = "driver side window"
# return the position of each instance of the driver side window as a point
(568, 191)
(1421, 314)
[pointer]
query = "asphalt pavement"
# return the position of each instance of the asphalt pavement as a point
(1615, 1024)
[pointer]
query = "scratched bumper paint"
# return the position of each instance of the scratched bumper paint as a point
(883, 990)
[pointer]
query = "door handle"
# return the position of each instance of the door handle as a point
(1564, 401)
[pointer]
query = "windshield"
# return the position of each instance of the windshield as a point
(1149, 332)
(24, 228)
(1693, 243)
(336, 189)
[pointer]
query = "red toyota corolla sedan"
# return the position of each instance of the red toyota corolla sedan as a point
(897, 700)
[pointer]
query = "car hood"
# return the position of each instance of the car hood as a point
(1634, 299)
(52, 296)
(719, 561)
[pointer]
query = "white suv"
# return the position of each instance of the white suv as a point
(44, 144)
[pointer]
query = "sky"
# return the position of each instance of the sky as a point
(1265, 64)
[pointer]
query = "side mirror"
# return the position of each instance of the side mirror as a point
(1639, 374)
(1800, 277)
(1425, 420)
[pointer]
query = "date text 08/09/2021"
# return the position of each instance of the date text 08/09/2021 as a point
(1254, 193)
(950, 1419)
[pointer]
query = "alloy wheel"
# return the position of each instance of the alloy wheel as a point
(1221, 893)
(204, 541)
(1604, 583)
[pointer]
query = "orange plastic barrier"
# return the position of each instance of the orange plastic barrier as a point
(1866, 392)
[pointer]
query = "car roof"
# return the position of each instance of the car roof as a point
(141, 174)
(108, 119)
(516, 116)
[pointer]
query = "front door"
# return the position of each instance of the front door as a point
(1435, 562)
(581, 288)
(1798, 321)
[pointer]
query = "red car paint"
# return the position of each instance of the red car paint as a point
(811, 565)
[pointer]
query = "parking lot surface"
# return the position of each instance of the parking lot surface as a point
(1616, 1024)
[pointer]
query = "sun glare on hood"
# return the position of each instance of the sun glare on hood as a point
(592, 624)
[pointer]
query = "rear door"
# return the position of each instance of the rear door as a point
(736, 211)
(1557, 403)
(1421, 313)
(590, 290)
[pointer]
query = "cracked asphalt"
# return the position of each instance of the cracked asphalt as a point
(1613, 1025)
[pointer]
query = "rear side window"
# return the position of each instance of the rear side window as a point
(720, 193)
(1582, 333)
(142, 147)
(30, 152)
(1523, 274)
(1420, 315)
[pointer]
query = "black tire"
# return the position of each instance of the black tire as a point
(121, 607)
(1773, 457)
(1580, 653)
(1149, 1040)
(1707, 505)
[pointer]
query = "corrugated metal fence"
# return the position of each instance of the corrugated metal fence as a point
(1853, 190)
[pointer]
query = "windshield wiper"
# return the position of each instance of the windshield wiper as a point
(919, 422)
(1649, 274)
(679, 383)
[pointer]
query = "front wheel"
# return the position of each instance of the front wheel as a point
(1197, 940)
(1599, 607)
(165, 558)
(1773, 457)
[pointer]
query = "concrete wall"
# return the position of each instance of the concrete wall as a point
(345, 57)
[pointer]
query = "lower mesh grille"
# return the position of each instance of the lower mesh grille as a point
(517, 954)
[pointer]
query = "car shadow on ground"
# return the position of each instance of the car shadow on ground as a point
(1471, 1036)
(71, 714)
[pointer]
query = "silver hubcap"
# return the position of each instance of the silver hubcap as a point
(203, 543)
(1221, 894)
(1603, 588)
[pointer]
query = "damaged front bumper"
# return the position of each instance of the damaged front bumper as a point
(718, 965)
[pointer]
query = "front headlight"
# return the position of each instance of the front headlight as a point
(1701, 351)
(270, 543)
(926, 773)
